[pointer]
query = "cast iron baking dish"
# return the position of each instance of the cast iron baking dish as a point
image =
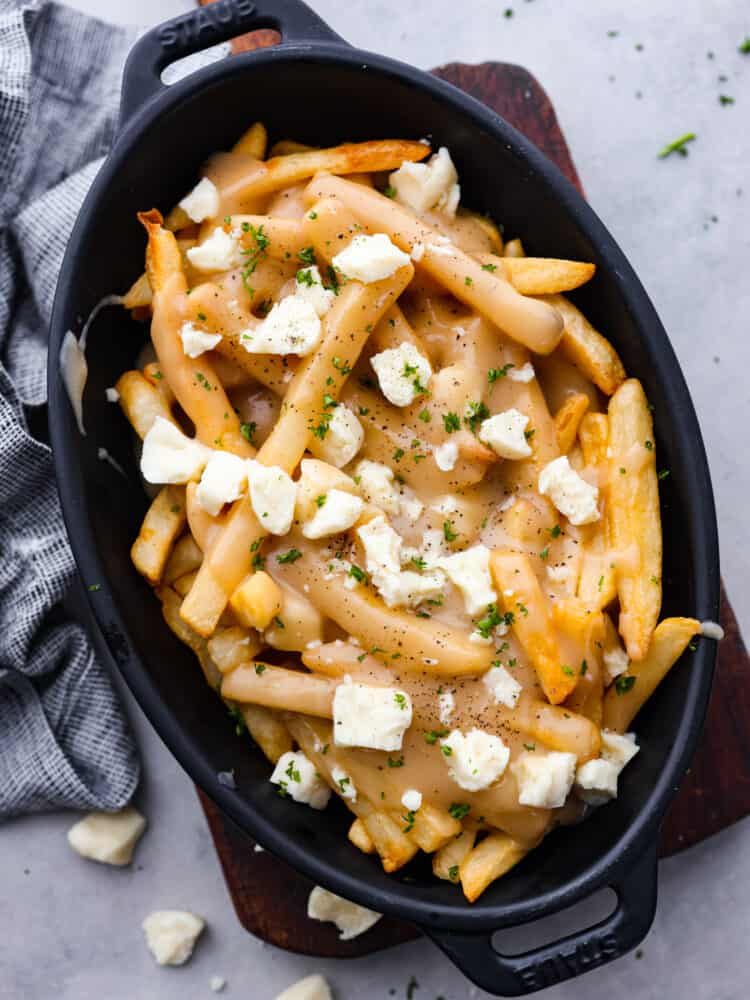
(317, 89)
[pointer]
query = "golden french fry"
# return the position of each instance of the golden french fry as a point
(523, 599)
(183, 583)
(286, 146)
(586, 348)
(267, 729)
(170, 606)
(184, 558)
(278, 687)
(256, 600)
(232, 646)
(538, 329)
(630, 690)
(634, 516)
(253, 142)
(514, 248)
(138, 296)
(297, 624)
(162, 524)
(359, 836)
(490, 859)
(487, 226)
(567, 420)
(141, 402)
(430, 828)
(447, 859)
(539, 275)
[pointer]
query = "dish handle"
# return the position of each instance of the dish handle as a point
(518, 975)
(206, 26)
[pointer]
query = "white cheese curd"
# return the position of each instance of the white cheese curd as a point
(344, 783)
(433, 548)
(504, 433)
(217, 983)
(572, 495)
(410, 506)
(291, 327)
(596, 780)
(433, 184)
(350, 918)
(618, 748)
(296, 777)
(411, 800)
(112, 395)
(202, 202)
(476, 759)
(196, 342)
(616, 662)
(523, 374)
(309, 287)
(171, 935)
(223, 481)
(712, 630)
(544, 780)
(310, 988)
(409, 588)
(446, 456)
(559, 574)
(382, 547)
(220, 252)
(169, 456)
(469, 571)
(372, 717)
(338, 512)
(108, 837)
(376, 482)
(370, 258)
(446, 707)
(504, 688)
(273, 495)
(403, 373)
(344, 438)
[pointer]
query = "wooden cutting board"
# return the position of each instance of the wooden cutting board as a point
(716, 790)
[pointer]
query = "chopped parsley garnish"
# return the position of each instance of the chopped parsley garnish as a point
(175, 508)
(491, 620)
(522, 608)
(495, 373)
(278, 622)
(489, 267)
(424, 416)
(395, 761)
(451, 422)
(307, 256)
(418, 562)
(256, 545)
(292, 772)
(662, 474)
(398, 454)
(239, 720)
(342, 783)
(468, 281)
(744, 46)
(248, 431)
(678, 146)
(289, 557)
(448, 533)
(459, 809)
(724, 100)
(329, 403)
(434, 735)
(254, 255)
(258, 562)
(312, 215)
(648, 445)
(584, 668)
(364, 410)
(531, 747)
(411, 986)
(94, 587)
(201, 379)
(260, 668)
(453, 873)
(556, 531)
(409, 820)
(333, 279)
(390, 191)
(447, 751)
(544, 553)
(321, 499)
(304, 277)
(202, 317)
(358, 574)
(400, 698)
(340, 365)
(529, 434)
(568, 671)
(476, 412)
(624, 684)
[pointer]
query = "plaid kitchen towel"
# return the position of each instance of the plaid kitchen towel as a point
(64, 741)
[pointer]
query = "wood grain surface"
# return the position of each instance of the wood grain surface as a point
(712, 796)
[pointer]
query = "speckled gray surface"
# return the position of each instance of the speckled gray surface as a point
(71, 929)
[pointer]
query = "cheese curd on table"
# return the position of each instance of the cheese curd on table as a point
(405, 508)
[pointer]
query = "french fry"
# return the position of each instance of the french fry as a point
(487, 226)
(170, 606)
(184, 558)
(351, 158)
(518, 587)
(278, 687)
(586, 348)
(286, 146)
(359, 836)
(267, 729)
(141, 402)
(634, 516)
(596, 585)
(539, 275)
(297, 624)
(486, 862)
(232, 646)
(447, 859)
(138, 296)
(257, 600)
(514, 248)
(538, 329)
(253, 142)
(567, 420)
(632, 689)
(162, 524)
(431, 828)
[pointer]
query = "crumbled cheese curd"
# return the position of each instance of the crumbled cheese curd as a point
(432, 184)
(569, 492)
(196, 342)
(291, 327)
(202, 202)
(219, 252)
(370, 258)
(403, 373)
(476, 759)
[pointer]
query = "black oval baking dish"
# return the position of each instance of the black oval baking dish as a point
(317, 89)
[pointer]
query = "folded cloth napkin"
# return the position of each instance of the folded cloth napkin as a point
(64, 741)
